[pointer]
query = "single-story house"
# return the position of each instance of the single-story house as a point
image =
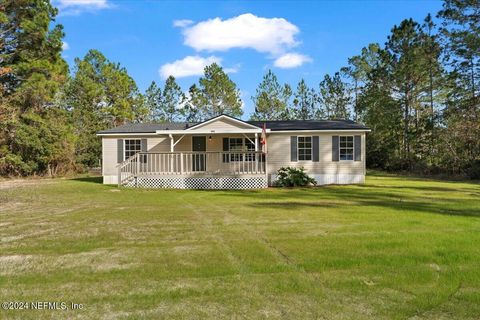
(228, 153)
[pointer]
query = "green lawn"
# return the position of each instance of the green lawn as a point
(395, 248)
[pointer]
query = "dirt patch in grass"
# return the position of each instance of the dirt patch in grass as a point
(17, 183)
(95, 260)
(12, 264)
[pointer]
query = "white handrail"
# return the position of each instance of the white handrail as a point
(191, 163)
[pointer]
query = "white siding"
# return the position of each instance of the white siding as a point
(109, 156)
(158, 144)
(109, 153)
(325, 170)
(223, 124)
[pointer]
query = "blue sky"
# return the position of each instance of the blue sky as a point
(296, 39)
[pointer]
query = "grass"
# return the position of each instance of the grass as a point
(394, 248)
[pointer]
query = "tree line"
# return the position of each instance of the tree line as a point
(418, 92)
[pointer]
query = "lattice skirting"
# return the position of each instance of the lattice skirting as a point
(256, 182)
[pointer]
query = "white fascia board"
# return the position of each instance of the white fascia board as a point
(126, 134)
(223, 116)
(320, 131)
(211, 131)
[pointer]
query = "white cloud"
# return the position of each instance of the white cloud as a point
(269, 35)
(84, 3)
(291, 60)
(74, 7)
(182, 23)
(233, 69)
(192, 66)
(65, 46)
(188, 66)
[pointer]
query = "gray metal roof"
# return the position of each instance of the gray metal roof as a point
(281, 125)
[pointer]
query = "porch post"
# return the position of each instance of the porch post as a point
(181, 162)
(120, 175)
(256, 154)
(170, 156)
(171, 143)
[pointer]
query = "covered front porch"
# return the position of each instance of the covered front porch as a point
(205, 158)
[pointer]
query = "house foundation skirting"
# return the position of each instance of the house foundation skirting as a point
(323, 179)
(172, 182)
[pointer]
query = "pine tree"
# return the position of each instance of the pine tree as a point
(101, 95)
(304, 102)
(334, 98)
(217, 94)
(461, 27)
(171, 104)
(31, 73)
(383, 114)
(152, 102)
(407, 66)
(358, 70)
(461, 35)
(271, 99)
(434, 91)
(191, 110)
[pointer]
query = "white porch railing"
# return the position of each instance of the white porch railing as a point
(191, 164)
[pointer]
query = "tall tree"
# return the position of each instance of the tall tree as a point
(271, 99)
(101, 95)
(152, 102)
(409, 76)
(382, 113)
(217, 94)
(304, 102)
(461, 27)
(30, 60)
(334, 98)
(434, 87)
(173, 99)
(358, 69)
(461, 31)
(31, 72)
(191, 110)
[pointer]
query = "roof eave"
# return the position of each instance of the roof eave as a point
(100, 134)
(216, 131)
(321, 130)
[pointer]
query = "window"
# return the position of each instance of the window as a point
(132, 146)
(241, 145)
(250, 148)
(235, 145)
(304, 147)
(346, 147)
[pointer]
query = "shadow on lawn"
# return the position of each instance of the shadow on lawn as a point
(429, 188)
(391, 197)
(98, 180)
(291, 205)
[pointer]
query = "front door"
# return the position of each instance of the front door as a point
(199, 144)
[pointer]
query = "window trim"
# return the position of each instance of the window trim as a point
(311, 148)
(340, 147)
(125, 147)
